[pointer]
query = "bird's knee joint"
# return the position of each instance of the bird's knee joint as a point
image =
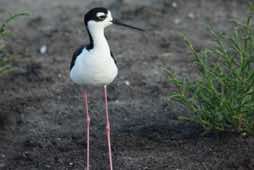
(108, 128)
(88, 120)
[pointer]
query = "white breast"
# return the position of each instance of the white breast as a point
(94, 67)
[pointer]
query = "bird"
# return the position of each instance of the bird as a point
(95, 65)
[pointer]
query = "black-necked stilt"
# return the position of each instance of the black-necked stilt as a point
(94, 64)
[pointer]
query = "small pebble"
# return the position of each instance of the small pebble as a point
(127, 83)
(174, 4)
(2, 165)
(244, 134)
(43, 49)
(191, 15)
(3, 156)
(177, 21)
(47, 166)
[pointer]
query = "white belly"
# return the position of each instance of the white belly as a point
(94, 70)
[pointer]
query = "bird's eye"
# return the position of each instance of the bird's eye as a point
(101, 17)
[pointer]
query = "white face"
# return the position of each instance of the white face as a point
(101, 24)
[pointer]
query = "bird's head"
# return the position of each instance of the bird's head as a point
(101, 18)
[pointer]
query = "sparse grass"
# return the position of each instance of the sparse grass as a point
(222, 98)
(5, 65)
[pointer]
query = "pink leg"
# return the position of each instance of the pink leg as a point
(108, 128)
(87, 129)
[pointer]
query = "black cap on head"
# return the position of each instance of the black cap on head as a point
(92, 14)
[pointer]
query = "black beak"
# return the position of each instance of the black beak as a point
(115, 21)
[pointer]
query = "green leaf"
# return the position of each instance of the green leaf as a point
(221, 98)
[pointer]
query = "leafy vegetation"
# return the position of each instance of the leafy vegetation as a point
(222, 98)
(5, 65)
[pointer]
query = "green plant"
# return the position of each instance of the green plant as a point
(222, 97)
(5, 65)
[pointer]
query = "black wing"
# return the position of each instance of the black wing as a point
(75, 55)
(112, 55)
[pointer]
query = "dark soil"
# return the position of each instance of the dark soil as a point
(41, 114)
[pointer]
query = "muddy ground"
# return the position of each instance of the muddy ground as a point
(41, 117)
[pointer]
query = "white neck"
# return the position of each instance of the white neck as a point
(99, 40)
